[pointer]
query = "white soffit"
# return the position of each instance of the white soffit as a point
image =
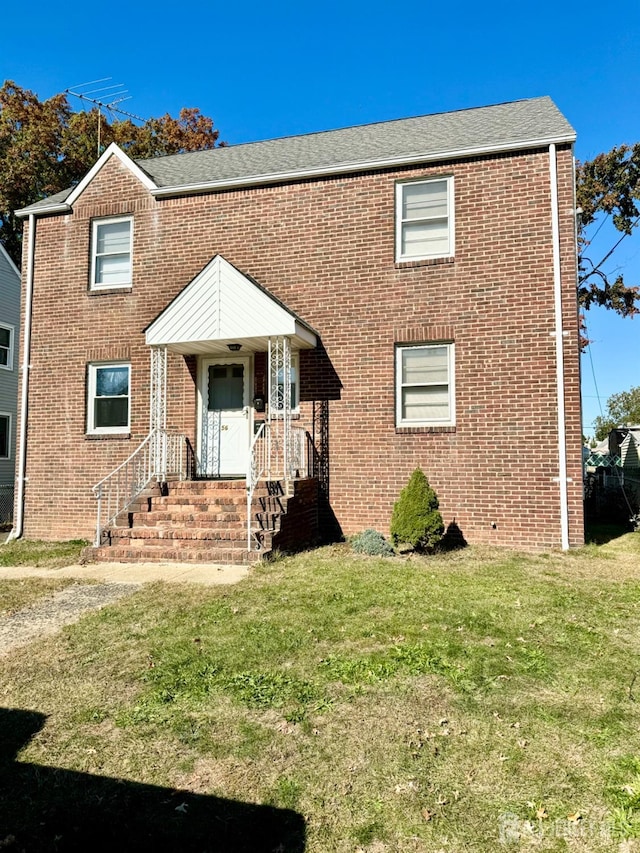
(222, 304)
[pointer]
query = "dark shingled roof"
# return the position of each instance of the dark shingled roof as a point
(503, 127)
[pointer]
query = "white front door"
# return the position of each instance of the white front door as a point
(224, 417)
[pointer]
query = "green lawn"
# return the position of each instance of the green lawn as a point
(476, 701)
(33, 552)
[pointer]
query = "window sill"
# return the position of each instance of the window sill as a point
(425, 262)
(420, 430)
(106, 291)
(106, 436)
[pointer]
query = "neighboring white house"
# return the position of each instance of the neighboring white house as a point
(9, 324)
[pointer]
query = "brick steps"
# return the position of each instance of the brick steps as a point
(185, 518)
(205, 521)
(199, 520)
(154, 535)
(116, 553)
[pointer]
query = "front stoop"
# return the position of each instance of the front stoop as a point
(204, 521)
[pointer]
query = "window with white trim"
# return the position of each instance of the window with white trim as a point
(111, 243)
(5, 436)
(424, 219)
(109, 398)
(425, 393)
(6, 346)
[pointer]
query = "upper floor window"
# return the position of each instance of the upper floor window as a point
(108, 398)
(6, 346)
(425, 394)
(5, 436)
(424, 219)
(111, 253)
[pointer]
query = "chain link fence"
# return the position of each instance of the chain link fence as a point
(6, 505)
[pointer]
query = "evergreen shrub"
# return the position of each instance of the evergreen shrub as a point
(415, 520)
(371, 542)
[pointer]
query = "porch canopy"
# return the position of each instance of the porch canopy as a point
(222, 306)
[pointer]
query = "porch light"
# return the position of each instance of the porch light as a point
(234, 347)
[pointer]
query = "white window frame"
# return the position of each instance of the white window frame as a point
(12, 337)
(7, 415)
(92, 429)
(435, 422)
(95, 225)
(400, 222)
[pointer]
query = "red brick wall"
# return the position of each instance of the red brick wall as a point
(326, 248)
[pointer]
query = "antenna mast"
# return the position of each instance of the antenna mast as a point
(114, 94)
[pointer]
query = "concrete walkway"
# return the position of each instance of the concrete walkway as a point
(111, 582)
(209, 574)
(50, 614)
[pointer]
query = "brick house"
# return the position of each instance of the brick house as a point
(312, 317)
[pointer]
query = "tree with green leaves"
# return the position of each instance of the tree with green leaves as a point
(608, 185)
(623, 409)
(46, 147)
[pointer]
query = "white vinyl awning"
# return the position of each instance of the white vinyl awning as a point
(220, 306)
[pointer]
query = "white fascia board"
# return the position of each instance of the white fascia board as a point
(65, 206)
(59, 207)
(112, 151)
(5, 255)
(363, 166)
(305, 334)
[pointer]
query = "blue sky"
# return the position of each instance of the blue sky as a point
(265, 70)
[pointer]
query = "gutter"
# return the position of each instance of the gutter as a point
(322, 171)
(18, 524)
(362, 166)
(558, 334)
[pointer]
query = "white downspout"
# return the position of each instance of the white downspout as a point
(18, 524)
(558, 335)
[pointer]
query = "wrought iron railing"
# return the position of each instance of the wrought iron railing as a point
(161, 454)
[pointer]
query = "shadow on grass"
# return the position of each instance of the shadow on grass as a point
(600, 534)
(50, 809)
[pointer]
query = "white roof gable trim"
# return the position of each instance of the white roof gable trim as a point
(5, 255)
(222, 304)
(112, 151)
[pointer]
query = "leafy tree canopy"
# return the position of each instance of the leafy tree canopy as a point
(608, 185)
(45, 147)
(623, 409)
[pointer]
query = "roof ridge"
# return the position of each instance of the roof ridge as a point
(366, 125)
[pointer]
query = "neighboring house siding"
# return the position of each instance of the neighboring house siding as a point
(9, 321)
(326, 248)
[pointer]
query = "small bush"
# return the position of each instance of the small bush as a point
(371, 542)
(416, 520)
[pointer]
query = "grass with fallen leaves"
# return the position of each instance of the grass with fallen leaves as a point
(33, 552)
(475, 701)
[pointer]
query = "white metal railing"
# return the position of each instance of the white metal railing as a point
(161, 454)
(258, 462)
(275, 453)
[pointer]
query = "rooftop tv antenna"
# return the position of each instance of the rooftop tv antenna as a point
(113, 95)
